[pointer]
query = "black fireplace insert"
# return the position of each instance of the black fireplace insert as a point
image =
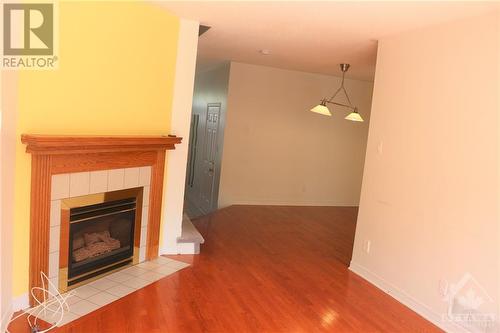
(101, 238)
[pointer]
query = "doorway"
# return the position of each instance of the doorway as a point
(206, 141)
(203, 162)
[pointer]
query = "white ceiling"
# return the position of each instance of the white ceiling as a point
(312, 36)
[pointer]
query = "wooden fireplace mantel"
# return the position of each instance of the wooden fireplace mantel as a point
(55, 144)
(67, 154)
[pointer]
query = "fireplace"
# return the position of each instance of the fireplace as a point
(100, 233)
(60, 169)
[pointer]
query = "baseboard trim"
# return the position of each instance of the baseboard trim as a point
(287, 203)
(20, 302)
(405, 299)
(5, 317)
(181, 248)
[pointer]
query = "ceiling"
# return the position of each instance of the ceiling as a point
(311, 36)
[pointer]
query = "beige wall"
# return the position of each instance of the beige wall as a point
(276, 152)
(429, 203)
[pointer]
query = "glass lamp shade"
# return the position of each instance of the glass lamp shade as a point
(321, 109)
(354, 116)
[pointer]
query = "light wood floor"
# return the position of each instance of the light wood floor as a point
(261, 269)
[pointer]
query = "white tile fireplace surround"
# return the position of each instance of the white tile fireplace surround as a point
(109, 288)
(72, 185)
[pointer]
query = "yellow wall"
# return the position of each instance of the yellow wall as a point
(115, 76)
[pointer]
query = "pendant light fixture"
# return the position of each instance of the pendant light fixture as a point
(322, 108)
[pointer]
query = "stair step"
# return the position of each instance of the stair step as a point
(189, 232)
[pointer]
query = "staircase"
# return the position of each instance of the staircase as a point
(190, 239)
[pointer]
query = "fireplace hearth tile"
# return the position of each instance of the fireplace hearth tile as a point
(73, 299)
(86, 291)
(136, 283)
(53, 318)
(135, 271)
(103, 284)
(47, 316)
(104, 291)
(162, 260)
(68, 317)
(83, 307)
(149, 265)
(120, 290)
(152, 276)
(119, 277)
(165, 270)
(102, 298)
(177, 264)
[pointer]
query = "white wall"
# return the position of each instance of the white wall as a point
(173, 194)
(429, 203)
(277, 152)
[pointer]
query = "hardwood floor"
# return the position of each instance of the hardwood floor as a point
(261, 269)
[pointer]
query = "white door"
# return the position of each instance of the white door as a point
(209, 157)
